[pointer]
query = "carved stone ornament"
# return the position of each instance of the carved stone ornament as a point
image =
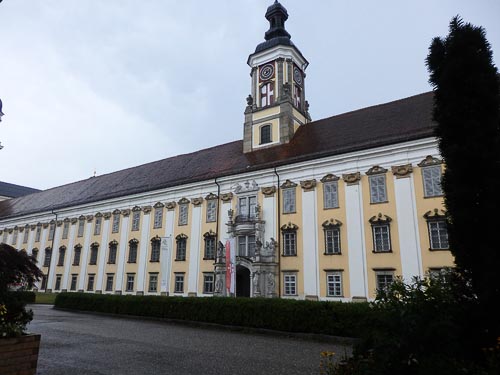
(78, 246)
(126, 212)
(436, 214)
(106, 215)
(376, 169)
(33, 226)
(401, 171)
(429, 160)
(158, 205)
(146, 209)
(156, 239)
(268, 191)
(331, 223)
(197, 201)
(90, 218)
(380, 219)
(45, 225)
(210, 233)
(134, 241)
(136, 208)
(98, 214)
(59, 223)
(288, 184)
(113, 243)
(329, 178)
(67, 220)
(289, 227)
(21, 229)
(183, 201)
(227, 197)
(181, 236)
(352, 178)
(308, 185)
(41, 225)
(94, 244)
(73, 220)
(245, 187)
(117, 212)
(48, 248)
(62, 247)
(170, 205)
(211, 197)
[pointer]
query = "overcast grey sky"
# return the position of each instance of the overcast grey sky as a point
(110, 84)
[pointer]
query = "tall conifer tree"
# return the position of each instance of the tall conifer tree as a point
(467, 111)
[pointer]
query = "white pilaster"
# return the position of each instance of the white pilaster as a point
(143, 254)
(310, 243)
(355, 241)
(122, 253)
(102, 254)
(409, 240)
(85, 256)
(224, 219)
(269, 215)
(194, 250)
(55, 256)
(69, 257)
(167, 258)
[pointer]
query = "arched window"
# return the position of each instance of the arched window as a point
(266, 94)
(265, 134)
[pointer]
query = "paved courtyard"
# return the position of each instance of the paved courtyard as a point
(74, 343)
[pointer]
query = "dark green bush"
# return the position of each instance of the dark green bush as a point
(331, 318)
(25, 296)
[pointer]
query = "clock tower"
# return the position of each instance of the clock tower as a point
(276, 106)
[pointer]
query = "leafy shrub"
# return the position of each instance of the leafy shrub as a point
(332, 318)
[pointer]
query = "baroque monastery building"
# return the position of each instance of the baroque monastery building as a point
(329, 209)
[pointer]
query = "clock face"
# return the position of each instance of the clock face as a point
(266, 72)
(297, 75)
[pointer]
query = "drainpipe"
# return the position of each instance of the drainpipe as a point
(52, 247)
(278, 233)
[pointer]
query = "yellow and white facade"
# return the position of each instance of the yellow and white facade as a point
(317, 225)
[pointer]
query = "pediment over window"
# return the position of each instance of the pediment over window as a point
(106, 215)
(158, 205)
(146, 209)
(332, 223)
(289, 227)
(113, 243)
(351, 178)
(380, 219)
(246, 187)
(78, 246)
(329, 178)
(62, 248)
(59, 223)
(184, 201)
(136, 208)
(170, 205)
(98, 214)
(268, 191)
(180, 237)
(74, 220)
(156, 239)
(117, 212)
(308, 185)
(90, 218)
(436, 214)
(211, 196)
(94, 244)
(227, 197)
(402, 170)
(44, 225)
(288, 184)
(197, 201)
(376, 169)
(210, 233)
(429, 160)
(67, 220)
(133, 241)
(126, 212)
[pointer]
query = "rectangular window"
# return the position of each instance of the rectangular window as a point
(290, 284)
(432, 181)
(438, 234)
(58, 282)
(14, 238)
(62, 255)
(155, 251)
(26, 234)
(130, 282)
(288, 200)
(378, 192)
(289, 243)
(116, 223)
(183, 214)
(76, 258)
(52, 229)
(208, 283)
(65, 230)
(181, 249)
(246, 246)
(158, 220)
(74, 279)
(209, 247)
(153, 282)
(81, 227)
(93, 255)
(332, 241)
(113, 247)
(334, 284)
(246, 206)
(132, 252)
(136, 219)
(330, 195)
(38, 233)
(211, 210)
(97, 226)
(109, 282)
(179, 283)
(48, 256)
(90, 282)
(381, 238)
(384, 279)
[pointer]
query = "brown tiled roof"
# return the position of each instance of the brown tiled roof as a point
(385, 124)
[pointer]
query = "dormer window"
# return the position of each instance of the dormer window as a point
(267, 94)
(265, 134)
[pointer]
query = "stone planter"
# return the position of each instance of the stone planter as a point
(19, 355)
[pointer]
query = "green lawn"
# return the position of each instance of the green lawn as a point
(48, 298)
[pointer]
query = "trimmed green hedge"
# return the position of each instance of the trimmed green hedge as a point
(331, 318)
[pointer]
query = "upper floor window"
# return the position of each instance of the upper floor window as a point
(438, 229)
(116, 223)
(48, 257)
(381, 233)
(246, 206)
(267, 94)
(432, 181)
(265, 134)
(62, 254)
(246, 246)
(97, 225)
(81, 227)
(210, 238)
(77, 255)
(14, 237)
(136, 219)
(113, 249)
(289, 200)
(93, 253)
(158, 217)
(289, 232)
(181, 240)
(378, 191)
(65, 230)
(38, 233)
(52, 229)
(211, 210)
(26, 234)
(132, 250)
(183, 213)
(332, 236)
(330, 194)
(155, 249)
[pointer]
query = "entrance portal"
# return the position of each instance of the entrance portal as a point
(242, 281)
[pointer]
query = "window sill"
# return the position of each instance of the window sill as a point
(180, 260)
(154, 261)
(289, 213)
(182, 225)
(325, 253)
(130, 262)
(381, 251)
(382, 202)
(329, 296)
(330, 208)
(111, 263)
(175, 292)
(433, 196)
(288, 255)
(208, 258)
(444, 249)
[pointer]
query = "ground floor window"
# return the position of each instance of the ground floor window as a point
(74, 279)
(90, 282)
(179, 283)
(384, 279)
(334, 284)
(208, 283)
(290, 284)
(109, 282)
(153, 282)
(130, 282)
(58, 282)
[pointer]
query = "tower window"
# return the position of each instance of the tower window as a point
(267, 94)
(297, 96)
(265, 134)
